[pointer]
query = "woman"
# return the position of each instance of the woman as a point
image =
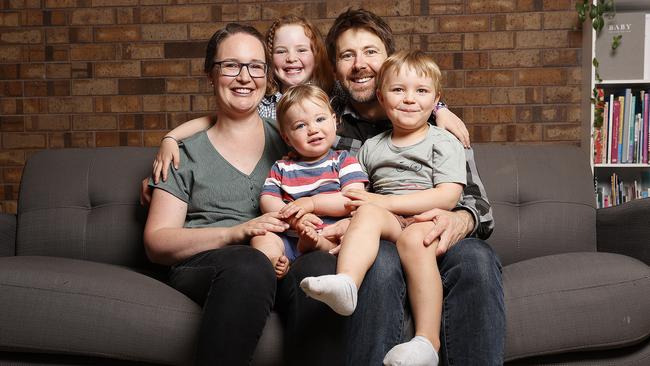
(209, 205)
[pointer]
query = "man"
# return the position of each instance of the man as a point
(473, 328)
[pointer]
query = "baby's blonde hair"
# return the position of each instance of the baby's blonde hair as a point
(416, 60)
(298, 94)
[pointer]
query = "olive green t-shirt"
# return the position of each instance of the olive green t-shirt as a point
(217, 193)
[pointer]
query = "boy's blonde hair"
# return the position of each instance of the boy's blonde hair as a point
(416, 60)
(298, 94)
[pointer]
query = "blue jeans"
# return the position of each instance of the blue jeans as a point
(473, 319)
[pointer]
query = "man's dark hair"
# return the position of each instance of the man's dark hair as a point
(359, 19)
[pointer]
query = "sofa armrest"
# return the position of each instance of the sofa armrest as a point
(625, 229)
(7, 235)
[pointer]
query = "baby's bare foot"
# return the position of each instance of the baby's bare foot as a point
(308, 240)
(281, 267)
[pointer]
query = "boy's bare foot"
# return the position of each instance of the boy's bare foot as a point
(281, 266)
(308, 240)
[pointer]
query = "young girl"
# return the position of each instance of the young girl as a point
(298, 57)
(412, 168)
(311, 181)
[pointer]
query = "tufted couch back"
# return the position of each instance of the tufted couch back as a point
(542, 198)
(84, 203)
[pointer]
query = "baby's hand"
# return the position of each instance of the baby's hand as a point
(297, 208)
(308, 220)
(359, 197)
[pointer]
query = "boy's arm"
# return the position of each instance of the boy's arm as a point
(444, 196)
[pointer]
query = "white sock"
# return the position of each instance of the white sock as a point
(416, 352)
(338, 291)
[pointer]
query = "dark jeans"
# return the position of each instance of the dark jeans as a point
(236, 286)
(473, 328)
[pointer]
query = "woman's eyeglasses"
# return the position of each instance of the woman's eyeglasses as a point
(234, 68)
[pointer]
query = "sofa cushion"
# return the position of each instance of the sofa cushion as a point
(70, 306)
(574, 302)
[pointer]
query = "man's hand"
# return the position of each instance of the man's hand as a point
(447, 120)
(335, 232)
(450, 227)
(359, 197)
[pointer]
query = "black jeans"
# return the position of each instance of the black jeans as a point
(236, 286)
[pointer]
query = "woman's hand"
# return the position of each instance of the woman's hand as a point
(168, 153)
(269, 222)
(359, 197)
(447, 120)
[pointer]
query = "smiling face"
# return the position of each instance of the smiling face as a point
(310, 128)
(238, 94)
(293, 58)
(408, 99)
(359, 56)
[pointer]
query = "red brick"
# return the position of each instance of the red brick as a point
(525, 133)
(32, 17)
(200, 102)
(187, 14)
(31, 36)
(12, 123)
(491, 6)
(58, 71)
(34, 105)
(92, 52)
(34, 53)
(141, 86)
(544, 76)
(50, 122)
(514, 96)
(164, 68)
(123, 33)
(523, 21)
(107, 139)
(12, 157)
(464, 24)
(560, 57)
(489, 78)
(559, 4)
(150, 15)
(81, 34)
(446, 9)
(543, 39)
(152, 138)
(69, 104)
(411, 25)
(9, 19)
(93, 16)
(60, 3)
(131, 138)
(11, 89)
(489, 133)
(493, 115)
(9, 71)
(490, 40)
(94, 87)
(117, 69)
(31, 71)
(182, 86)
(155, 103)
(114, 2)
(561, 20)
(11, 53)
(94, 122)
(513, 59)
(462, 97)
(136, 51)
(273, 10)
(12, 175)
(57, 53)
(562, 94)
(562, 132)
(23, 140)
(126, 16)
(164, 32)
(131, 103)
(442, 42)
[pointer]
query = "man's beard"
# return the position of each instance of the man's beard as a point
(364, 95)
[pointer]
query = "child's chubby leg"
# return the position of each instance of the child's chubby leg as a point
(425, 295)
(358, 252)
(272, 246)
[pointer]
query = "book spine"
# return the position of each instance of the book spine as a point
(631, 129)
(621, 123)
(610, 122)
(646, 130)
(626, 125)
(615, 127)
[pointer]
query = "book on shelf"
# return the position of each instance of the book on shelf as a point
(631, 59)
(624, 136)
(617, 191)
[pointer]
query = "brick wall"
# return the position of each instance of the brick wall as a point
(91, 73)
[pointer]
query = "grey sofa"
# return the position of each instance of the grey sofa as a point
(76, 288)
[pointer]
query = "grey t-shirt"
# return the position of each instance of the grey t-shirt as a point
(216, 193)
(438, 158)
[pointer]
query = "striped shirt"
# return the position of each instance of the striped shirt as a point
(291, 179)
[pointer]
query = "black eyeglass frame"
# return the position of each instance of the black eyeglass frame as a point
(241, 67)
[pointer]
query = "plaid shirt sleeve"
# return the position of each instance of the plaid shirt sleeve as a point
(475, 200)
